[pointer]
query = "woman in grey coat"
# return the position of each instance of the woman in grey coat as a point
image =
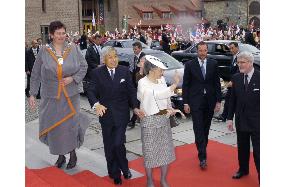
(156, 134)
(59, 68)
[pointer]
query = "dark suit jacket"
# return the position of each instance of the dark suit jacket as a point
(116, 95)
(93, 60)
(193, 84)
(234, 68)
(30, 59)
(135, 71)
(245, 104)
(249, 38)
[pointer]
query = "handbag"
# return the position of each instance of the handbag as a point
(173, 119)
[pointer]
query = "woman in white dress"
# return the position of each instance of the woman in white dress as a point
(156, 134)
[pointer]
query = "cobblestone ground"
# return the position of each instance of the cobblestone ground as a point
(30, 115)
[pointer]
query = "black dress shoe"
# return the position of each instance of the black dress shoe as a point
(203, 164)
(131, 124)
(117, 181)
(72, 163)
(127, 175)
(239, 175)
(60, 161)
(220, 118)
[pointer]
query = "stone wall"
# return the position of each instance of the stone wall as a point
(63, 10)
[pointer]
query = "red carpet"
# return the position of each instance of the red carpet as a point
(184, 172)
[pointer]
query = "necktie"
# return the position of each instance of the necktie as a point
(135, 63)
(111, 74)
(203, 69)
(246, 82)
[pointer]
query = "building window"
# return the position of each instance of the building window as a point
(44, 29)
(254, 8)
(147, 15)
(87, 8)
(43, 5)
(198, 14)
(166, 15)
(108, 6)
(182, 14)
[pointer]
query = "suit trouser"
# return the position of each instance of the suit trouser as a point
(115, 151)
(226, 104)
(201, 125)
(243, 140)
(27, 90)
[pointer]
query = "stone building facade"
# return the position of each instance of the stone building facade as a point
(39, 14)
(77, 15)
(239, 12)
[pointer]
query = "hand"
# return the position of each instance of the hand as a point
(230, 125)
(217, 107)
(186, 109)
(230, 84)
(100, 110)
(28, 72)
(32, 102)
(139, 113)
(176, 77)
(67, 80)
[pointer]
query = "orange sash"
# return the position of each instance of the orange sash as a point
(59, 91)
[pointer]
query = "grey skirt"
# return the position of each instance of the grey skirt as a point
(157, 143)
(70, 134)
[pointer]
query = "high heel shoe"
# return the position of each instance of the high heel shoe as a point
(60, 161)
(72, 163)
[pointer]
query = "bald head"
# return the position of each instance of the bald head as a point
(34, 44)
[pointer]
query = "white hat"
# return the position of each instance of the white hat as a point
(155, 61)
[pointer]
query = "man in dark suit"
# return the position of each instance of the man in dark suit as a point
(111, 93)
(202, 96)
(245, 104)
(31, 54)
(138, 54)
(234, 48)
(83, 41)
(92, 57)
(249, 39)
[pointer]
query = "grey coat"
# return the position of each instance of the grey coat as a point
(45, 73)
(69, 134)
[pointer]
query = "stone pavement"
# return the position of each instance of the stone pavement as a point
(91, 154)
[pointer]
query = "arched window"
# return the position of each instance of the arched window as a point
(43, 5)
(254, 8)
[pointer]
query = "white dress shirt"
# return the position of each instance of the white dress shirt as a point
(153, 97)
(249, 75)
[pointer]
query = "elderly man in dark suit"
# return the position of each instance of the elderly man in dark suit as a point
(111, 92)
(202, 96)
(31, 54)
(245, 104)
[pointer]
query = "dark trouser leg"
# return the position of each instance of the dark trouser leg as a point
(27, 90)
(119, 148)
(255, 138)
(207, 115)
(134, 118)
(226, 104)
(108, 148)
(243, 140)
(199, 129)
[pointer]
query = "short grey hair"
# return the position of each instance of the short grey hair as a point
(106, 50)
(246, 55)
(148, 66)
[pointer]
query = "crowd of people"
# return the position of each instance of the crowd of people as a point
(59, 67)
